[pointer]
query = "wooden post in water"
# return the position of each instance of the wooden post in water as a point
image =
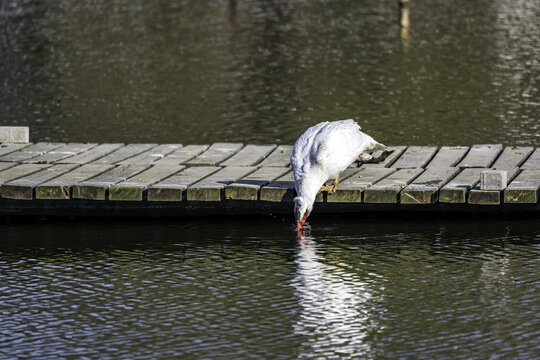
(404, 23)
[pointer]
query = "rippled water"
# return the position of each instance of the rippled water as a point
(352, 288)
(262, 71)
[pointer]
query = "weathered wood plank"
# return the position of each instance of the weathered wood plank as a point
(23, 188)
(182, 155)
(9, 148)
(387, 190)
(481, 156)
(19, 171)
(30, 151)
(6, 165)
(397, 151)
(524, 188)
(415, 157)
(14, 134)
(133, 188)
(212, 187)
(92, 154)
(60, 187)
(279, 190)
(124, 152)
(216, 154)
(60, 153)
(425, 188)
(97, 187)
(448, 156)
(533, 162)
(174, 187)
(247, 188)
(478, 196)
(150, 157)
(350, 189)
(281, 156)
(456, 190)
(512, 157)
(250, 155)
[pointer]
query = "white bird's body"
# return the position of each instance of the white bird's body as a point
(321, 153)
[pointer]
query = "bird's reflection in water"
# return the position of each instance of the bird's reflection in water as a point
(334, 304)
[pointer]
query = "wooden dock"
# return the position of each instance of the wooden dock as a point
(233, 178)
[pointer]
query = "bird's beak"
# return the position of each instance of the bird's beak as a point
(300, 223)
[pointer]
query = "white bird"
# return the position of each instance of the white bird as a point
(320, 154)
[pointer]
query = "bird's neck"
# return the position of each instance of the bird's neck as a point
(310, 185)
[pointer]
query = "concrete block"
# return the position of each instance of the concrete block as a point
(493, 180)
(14, 134)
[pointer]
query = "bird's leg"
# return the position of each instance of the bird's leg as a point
(331, 188)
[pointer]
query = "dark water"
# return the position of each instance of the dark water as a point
(367, 288)
(262, 71)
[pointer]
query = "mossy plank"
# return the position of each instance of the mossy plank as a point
(150, 157)
(216, 154)
(424, 189)
(174, 187)
(91, 154)
(512, 157)
(9, 148)
(448, 156)
(280, 157)
(280, 190)
(23, 188)
(182, 155)
(247, 188)
(390, 159)
(19, 171)
(533, 162)
(524, 188)
(60, 187)
(387, 190)
(97, 187)
(124, 152)
(456, 190)
(31, 151)
(133, 188)
(478, 196)
(61, 153)
(212, 187)
(351, 188)
(415, 157)
(481, 156)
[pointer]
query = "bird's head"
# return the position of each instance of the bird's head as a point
(302, 208)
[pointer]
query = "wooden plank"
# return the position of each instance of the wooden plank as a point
(212, 187)
(524, 188)
(387, 190)
(448, 156)
(23, 188)
(124, 152)
(481, 156)
(9, 148)
(478, 196)
(30, 151)
(512, 157)
(19, 171)
(415, 157)
(425, 188)
(150, 157)
(6, 165)
(133, 188)
(60, 187)
(533, 162)
(350, 189)
(281, 156)
(247, 188)
(92, 154)
(216, 154)
(60, 153)
(14, 134)
(456, 190)
(397, 151)
(182, 155)
(250, 155)
(279, 190)
(97, 187)
(174, 187)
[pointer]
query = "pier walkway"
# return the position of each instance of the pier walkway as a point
(232, 178)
